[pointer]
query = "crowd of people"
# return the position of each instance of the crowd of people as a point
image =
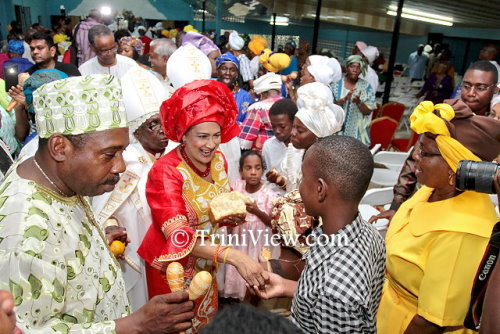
(128, 136)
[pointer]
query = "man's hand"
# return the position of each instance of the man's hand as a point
(7, 315)
(275, 287)
(169, 313)
(116, 233)
(17, 94)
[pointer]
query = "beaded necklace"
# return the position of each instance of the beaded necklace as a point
(193, 167)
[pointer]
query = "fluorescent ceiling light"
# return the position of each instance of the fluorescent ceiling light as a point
(280, 21)
(420, 13)
(421, 18)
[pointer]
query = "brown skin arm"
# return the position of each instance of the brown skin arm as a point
(419, 325)
(362, 107)
(264, 217)
(249, 269)
(22, 127)
(169, 313)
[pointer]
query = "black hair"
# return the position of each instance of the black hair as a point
(246, 319)
(248, 153)
(44, 36)
(485, 66)
(121, 33)
(78, 141)
(284, 106)
(98, 30)
(346, 162)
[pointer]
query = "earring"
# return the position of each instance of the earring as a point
(451, 180)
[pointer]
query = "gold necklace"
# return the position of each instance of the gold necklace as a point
(48, 179)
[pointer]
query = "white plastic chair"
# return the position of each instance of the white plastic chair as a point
(375, 149)
(378, 196)
(383, 177)
(392, 160)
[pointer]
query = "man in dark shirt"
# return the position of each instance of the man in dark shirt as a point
(478, 88)
(43, 51)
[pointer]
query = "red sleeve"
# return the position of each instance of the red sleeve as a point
(170, 226)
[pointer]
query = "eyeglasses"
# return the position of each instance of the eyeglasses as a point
(154, 126)
(110, 51)
(424, 154)
(478, 88)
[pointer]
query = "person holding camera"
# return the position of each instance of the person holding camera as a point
(437, 238)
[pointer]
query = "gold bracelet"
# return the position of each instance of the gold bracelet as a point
(225, 254)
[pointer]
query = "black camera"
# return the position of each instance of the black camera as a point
(477, 176)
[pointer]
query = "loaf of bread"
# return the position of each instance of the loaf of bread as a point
(228, 205)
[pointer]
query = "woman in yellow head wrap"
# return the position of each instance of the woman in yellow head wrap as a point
(274, 61)
(437, 238)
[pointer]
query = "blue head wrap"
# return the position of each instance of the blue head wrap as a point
(15, 46)
(36, 80)
(227, 57)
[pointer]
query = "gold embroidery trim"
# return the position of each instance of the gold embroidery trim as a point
(173, 224)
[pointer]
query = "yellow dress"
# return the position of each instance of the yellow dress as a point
(433, 252)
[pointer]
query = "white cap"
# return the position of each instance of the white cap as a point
(267, 82)
(324, 69)
(187, 64)
(235, 41)
(143, 95)
(371, 53)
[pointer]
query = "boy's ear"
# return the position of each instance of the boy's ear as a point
(321, 189)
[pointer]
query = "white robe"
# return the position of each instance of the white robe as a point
(135, 215)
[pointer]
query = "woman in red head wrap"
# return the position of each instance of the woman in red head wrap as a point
(180, 185)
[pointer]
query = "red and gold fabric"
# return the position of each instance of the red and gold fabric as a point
(179, 200)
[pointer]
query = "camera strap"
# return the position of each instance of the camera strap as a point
(490, 258)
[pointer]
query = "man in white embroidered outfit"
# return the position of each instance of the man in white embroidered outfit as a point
(54, 258)
(127, 205)
(160, 52)
(106, 61)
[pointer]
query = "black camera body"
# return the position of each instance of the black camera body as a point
(477, 176)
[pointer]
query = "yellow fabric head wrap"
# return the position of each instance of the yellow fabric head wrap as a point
(164, 33)
(257, 44)
(172, 33)
(189, 28)
(423, 119)
(274, 62)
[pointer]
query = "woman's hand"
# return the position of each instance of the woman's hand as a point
(249, 269)
(388, 214)
(234, 220)
(272, 175)
(356, 98)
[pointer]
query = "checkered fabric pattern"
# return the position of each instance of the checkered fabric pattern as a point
(340, 288)
(257, 128)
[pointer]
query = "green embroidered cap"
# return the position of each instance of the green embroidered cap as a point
(78, 105)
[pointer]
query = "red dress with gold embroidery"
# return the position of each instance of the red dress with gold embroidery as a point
(179, 199)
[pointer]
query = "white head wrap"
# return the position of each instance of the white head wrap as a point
(317, 110)
(187, 64)
(361, 45)
(141, 27)
(371, 53)
(267, 82)
(325, 70)
(143, 95)
(235, 41)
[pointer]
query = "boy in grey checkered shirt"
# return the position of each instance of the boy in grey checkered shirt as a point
(341, 285)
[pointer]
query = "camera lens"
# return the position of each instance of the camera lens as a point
(477, 176)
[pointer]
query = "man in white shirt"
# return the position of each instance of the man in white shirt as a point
(106, 61)
(160, 51)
